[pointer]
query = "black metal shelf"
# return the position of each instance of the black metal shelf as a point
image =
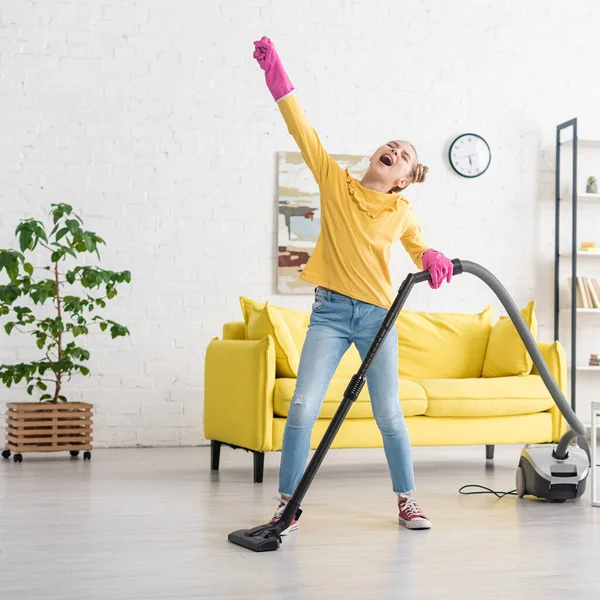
(572, 143)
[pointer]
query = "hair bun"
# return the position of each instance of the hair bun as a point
(420, 173)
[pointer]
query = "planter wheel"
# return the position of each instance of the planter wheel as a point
(87, 455)
(18, 458)
(6, 454)
(74, 453)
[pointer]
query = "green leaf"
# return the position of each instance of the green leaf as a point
(61, 234)
(28, 267)
(9, 293)
(42, 386)
(111, 293)
(70, 276)
(66, 208)
(45, 397)
(9, 260)
(62, 398)
(57, 213)
(103, 326)
(30, 389)
(9, 327)
(26, 240)
(41, 340)
(118, 331)
(40, 231)
(89, 241)
(84, 370)
(73, 226)
(29, 232)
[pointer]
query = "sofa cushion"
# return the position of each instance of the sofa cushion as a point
(263, 321)
(506, 354)
(412, 399)
(500, 396)
(442, 345)
(288, 328)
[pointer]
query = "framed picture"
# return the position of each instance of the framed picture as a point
(299, 212)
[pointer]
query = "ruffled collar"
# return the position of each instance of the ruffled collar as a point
(375, 204)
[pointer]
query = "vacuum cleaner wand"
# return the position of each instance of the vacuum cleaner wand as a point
(267, 537)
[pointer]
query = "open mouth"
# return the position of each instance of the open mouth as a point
(387, 160)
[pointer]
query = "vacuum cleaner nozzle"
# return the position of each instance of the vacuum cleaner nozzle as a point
(264, 538)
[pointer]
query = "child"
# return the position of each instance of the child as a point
(349, 267)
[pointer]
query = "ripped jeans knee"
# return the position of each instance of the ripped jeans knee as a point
(302, 412)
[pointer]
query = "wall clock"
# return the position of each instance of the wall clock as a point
(470, 155)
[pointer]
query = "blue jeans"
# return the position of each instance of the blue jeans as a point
(336, 322)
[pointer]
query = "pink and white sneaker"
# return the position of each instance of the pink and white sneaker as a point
(410, 514)
(282, 504)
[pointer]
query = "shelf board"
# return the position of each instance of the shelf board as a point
(580, 253)
(582, 143)
(586, 368)
(582, 310)
(582, 198)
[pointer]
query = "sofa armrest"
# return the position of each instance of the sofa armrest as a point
(234, 331)
(554, 356)
(239, 378)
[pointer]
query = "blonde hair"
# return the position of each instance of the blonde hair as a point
(418, 175)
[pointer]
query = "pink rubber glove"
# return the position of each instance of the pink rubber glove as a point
(439, 266)
(278, 82)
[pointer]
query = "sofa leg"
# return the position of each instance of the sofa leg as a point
(215, 455)
(489, 452)
(259, 466)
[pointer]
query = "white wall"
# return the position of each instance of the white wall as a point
(152, 119)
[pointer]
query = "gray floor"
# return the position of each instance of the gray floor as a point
(144, 523)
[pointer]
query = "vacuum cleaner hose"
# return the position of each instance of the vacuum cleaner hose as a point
(577, 430)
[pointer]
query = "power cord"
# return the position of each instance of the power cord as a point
(487, 491)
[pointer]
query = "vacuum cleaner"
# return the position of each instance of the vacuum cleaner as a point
(555, 472)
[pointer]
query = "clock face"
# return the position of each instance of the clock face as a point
(470, 155)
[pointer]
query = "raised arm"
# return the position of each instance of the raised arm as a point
(282, 90)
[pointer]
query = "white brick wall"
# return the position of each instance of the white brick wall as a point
(152, 119)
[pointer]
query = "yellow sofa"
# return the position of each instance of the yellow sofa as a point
(463, 381)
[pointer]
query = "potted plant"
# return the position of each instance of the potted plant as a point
(76, 293)
(591, 187)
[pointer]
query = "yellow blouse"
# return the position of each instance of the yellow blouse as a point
(358, 225)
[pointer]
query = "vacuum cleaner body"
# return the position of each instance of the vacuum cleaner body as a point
(542, 475)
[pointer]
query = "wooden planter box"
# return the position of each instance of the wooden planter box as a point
(44, 427)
